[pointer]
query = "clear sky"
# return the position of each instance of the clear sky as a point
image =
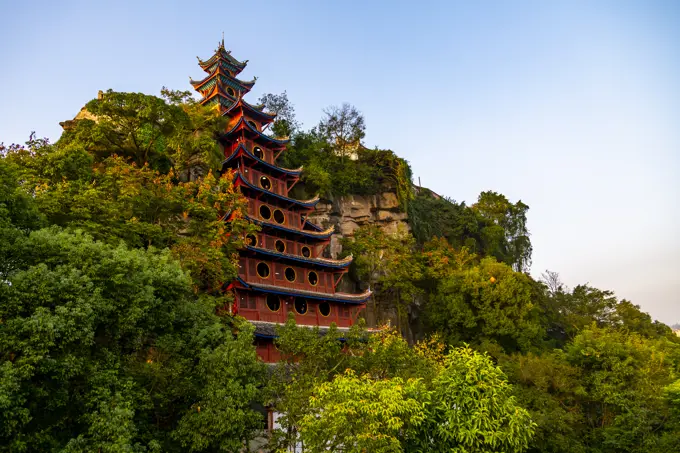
(572, 107)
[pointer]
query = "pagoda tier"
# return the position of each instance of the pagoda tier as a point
(258, 158)
(221, 78)
(274, 188)
(307, 231)
(243, 127)
(282, 267)
(222, 57)
(291, 257)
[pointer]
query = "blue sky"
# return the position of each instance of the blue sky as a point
(572, 107)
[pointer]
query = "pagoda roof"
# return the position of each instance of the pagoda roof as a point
(216, 92)
(314, 225)
(224, 78)
(244, 124)
(335, 297)
(241, 147)
(222, 54)
(306, 203)
(265, 329)
(326, 262)
(323, 234)
(254, 110)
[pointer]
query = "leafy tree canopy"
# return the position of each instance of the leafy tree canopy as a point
(108, 348)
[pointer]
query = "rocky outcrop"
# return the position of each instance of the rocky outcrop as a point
(351, 212)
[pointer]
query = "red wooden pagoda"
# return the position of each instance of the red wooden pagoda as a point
(281, 269)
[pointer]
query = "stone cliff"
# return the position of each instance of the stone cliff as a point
(353, 211)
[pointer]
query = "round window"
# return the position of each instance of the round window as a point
(257, 152)
(265, 212)
(263, 270)
(253, 125)
(290, 274)
(230, 91)
(265, 183)
(325, 308)
(300, 305)
(313, 278)
(280, 246)
(279, 216)
(251, 240)
(306, 251)
(273, 302)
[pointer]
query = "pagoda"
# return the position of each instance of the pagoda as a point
(282, 268)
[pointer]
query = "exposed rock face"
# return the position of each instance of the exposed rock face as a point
(83, 114)
(349, 213)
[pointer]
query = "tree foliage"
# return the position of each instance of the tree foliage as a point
(285, 123)
(491, 227)
(377, 393)
(343, 128)
(108, 348)
(357, 413)
(487, 301)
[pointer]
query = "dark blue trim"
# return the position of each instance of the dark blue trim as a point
(288, 230)
(274, 337)
(266, 164)
(271, 337)
(314, 226)
(252, 109)
(260, 134)
(276, 195)
(272, 139)
(306, 296)
(301, 259)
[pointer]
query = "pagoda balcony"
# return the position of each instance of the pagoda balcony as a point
(274, 309)
(286, 276)
(259, 210)
(265, 181)
(286, 246)
(261, 152)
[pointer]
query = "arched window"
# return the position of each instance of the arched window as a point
(306, 251)
(273, 302)
(254, 125)
(325, 309)
(265, 183)
(279, 216)
(313, 278)
(251, 240)
(265, 212)
(263, 270)
(280, 246)
(300, 305)
(231, 92)
(257, 152)
(290, 274)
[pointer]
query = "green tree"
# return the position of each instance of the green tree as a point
(285, 124)
(386, 262)
(115, 200)
(472, 409)
(172, 133)
(506, 234)
(623, 377)
(358, 414)
(486, 302)
(343, 128)
(107, 348)
(549, 387)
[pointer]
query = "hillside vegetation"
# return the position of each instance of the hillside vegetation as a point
(115, 334)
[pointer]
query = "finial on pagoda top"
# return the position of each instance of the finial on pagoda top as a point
(223, 39)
